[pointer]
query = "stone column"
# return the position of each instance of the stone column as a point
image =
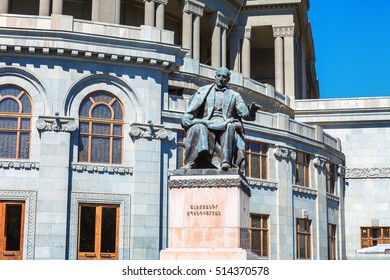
(149, 12)
(235, 49)
(218, 42)
(246, 53)
(160, 13)
(192, 11)
(224, 49)
(285, 157)
(196, 50)
(289, 62)
(95, 10)
(57, 7)
(53, 197)
(4, 4)
(320, 229)
(279, 63)
(44, 7)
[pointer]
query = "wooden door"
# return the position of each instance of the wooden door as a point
(98, 232)
(11, 230)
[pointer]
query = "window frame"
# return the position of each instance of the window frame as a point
(263, 231)
(97, 254)
(249, 154)
(370, 240)
(91, 121)
(11, 254)
(332, 245)
(18, 116)
(306, 168)
(306, 233)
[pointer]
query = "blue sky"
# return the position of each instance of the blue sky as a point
(352, 46)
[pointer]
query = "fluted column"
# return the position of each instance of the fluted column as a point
(149, 12)
(160, 13)
(4, 4)
(192, 11)
(246, 53)
(218, 40)
(44, 7)
(289, 63)
(279, 69)
(196, 50)
(57, 7)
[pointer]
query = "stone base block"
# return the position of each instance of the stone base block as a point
(207, 254)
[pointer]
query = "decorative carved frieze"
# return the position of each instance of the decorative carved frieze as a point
(193, 7)
(151, 131)
(209, 182)
(283, 31)
(56, 123)
(368, 173)
(304, 190)
(262, 183)
(17, 164)
(284, 153)
(94, 168)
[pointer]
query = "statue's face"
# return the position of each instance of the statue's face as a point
(222, 77)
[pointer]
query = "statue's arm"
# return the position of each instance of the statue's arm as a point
(248, 113)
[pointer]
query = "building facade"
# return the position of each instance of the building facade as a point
(91, 96)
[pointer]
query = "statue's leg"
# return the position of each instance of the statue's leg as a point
(226, 140)
(196, 144)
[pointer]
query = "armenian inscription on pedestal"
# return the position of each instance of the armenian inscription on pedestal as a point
(208, 215)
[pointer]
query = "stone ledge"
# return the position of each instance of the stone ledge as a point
(17, 164)
(304, 190)
(96, 168)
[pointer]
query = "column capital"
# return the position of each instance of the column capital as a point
(284, 153)
(320, 162)
(192, 7)
(56, 124)
(164, 2)
(245, 32)
(283, 31)
(218, 19)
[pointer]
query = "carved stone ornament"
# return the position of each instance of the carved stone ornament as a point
(262, 183)
(283, 31)
(56, 123)
(320, 162)
(17, 164)
(218, 19)
(284, 153)
(304, 190)
(333, 197)
(368, 173)
(192, 7)
(151, 131)
(93, 168)
(341, 171)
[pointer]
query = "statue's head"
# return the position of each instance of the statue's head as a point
(222, 77)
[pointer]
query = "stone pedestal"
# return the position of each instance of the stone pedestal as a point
(208, 216)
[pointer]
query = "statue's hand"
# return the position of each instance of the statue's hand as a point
(253, 107)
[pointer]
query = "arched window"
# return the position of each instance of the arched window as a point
(15, 122)
(101, 129)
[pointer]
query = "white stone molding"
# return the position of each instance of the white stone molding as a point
(56, 123)
(30, 199)
(151, 131)
(320, 162)
(104, 198)
(333, 197)
(102, 168)
(304, 190)
(19, 164)
(192, 7)
(284, 152)
(283, 31)
(254, 182)
(368, 173)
